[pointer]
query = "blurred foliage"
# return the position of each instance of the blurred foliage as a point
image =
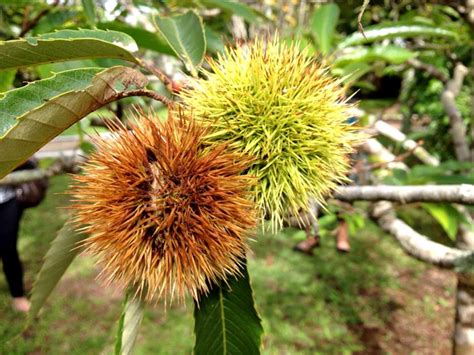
(376, 69)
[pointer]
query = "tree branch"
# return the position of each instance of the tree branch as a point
(398, 136)
(430, 69)
(458, 129)
(463, 194)
(415, 244)
(60, 166)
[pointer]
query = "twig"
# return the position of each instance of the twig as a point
(148, 93)
(359, 17)
(386, 158)
(399, 158)
(430, 69)
(400, 137)
(166, 80)
(28, 25)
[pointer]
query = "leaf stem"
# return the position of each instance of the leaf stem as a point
(148, 93)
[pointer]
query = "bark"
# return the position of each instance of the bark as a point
(464, 327)
(374, 147)
(415, 244)
(464, 324)
(463, 337)
(463, 194)
(458, 128)
(60, 166)
(409, 144)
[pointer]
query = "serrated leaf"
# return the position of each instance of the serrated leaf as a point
(185, 35)
(62, 252)
(323, 25)
(379, 33)
(145, 39)
(32, 115)
(129, 324)
(447, 216)
(66, 45)
(226, 321)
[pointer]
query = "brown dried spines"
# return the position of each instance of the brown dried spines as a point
(163, 214)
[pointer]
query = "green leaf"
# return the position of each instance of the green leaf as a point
(327, 222)
(66, 45)
(450, 172)
(87, 147)
(62, 252)
(323, 24)
(226, 321)
(236, 8)
(214, 41)
(129, 324)
(6, 79)
(48, 70)
(447, 216)
(32, 115)
(89, 9)
(354, 221)
(185, 35)
(54, 20)
(144, 38)
(352, 72)
(379, 33)
(21, 2)
(390, 54)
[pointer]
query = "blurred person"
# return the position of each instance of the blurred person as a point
(358, 175)
(313, 239)
(10, 215)
(13, 201)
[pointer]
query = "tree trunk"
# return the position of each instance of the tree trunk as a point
(464, 327)
(463, 341)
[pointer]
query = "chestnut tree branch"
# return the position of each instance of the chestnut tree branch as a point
(414, 243)
(60, 166)
(462, 194)
(396, 135)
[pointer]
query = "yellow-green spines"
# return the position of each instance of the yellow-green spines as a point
(276, 104)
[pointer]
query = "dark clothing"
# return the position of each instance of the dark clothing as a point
(10, 215)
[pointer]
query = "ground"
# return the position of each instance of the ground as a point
(373, 300)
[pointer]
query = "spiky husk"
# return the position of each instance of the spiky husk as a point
(273, 102)
(162, 214)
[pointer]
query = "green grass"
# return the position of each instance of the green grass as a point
(308, 304)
